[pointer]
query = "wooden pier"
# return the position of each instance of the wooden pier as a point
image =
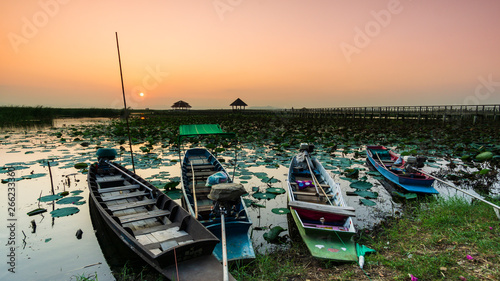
(445, 113)
(474, 113)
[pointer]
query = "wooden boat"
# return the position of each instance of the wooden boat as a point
(318, 208)
(147, 222)
(398, 170)
(198, 165)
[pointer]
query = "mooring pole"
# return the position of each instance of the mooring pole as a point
(125, 103)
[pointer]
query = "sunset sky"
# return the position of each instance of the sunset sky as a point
(279, 53)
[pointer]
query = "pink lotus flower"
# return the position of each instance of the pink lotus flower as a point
(469, 257)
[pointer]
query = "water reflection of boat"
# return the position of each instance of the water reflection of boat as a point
(149, 223)
(398, 170)
(318, 208)
(200, 167)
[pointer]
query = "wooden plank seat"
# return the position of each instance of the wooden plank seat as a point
(167, 244)
(109, 178)
(147, 230)
(118, 188)
(124, 196)
(200, 174)
(143, 216)
(202, 167)
(346, 211)
(306, 193)
(120, 207)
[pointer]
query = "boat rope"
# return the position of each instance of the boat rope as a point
(176, 266)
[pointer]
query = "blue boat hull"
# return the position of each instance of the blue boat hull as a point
(406, 183)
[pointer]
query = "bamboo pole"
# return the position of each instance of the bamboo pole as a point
(316, 182)
(194, 191)
(125, 103)
(451, 185)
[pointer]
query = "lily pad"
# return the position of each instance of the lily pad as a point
(273, 234)
(62, 212)
(48, 198)
(280, 211)
(276, 190)
(264, 195)
(174, 194)
(76, 192)
(366, 194)
(69, 200)
(81, 165)
(37, 211)
(361, 185)
(484, 156)
(367, 202)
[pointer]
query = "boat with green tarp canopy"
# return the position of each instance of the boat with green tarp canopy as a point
(202, 129)
(205, 184)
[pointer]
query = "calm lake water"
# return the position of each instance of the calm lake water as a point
(53, 252)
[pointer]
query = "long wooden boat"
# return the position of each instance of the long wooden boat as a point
(150, 224)
(198, 165)
(318, 208)
(395, 169)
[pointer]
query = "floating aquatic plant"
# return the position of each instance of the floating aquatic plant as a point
(62, 212)
(69, 200)
(262, 195)
(276, 190)
(361, 185)
(367, 202)
(280, 211)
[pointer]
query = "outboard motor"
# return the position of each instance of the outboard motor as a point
(104, 155)
(226, 196)
(421, 161)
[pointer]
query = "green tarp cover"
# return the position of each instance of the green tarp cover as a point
(202, 129)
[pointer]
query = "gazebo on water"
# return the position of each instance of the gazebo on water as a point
(181, 105)
(238, 104)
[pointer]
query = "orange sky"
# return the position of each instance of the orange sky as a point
(281, 53)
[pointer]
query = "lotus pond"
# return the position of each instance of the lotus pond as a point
(48, 246)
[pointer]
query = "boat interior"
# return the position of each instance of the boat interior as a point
(156, 221)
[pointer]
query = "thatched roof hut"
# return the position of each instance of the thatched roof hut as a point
(238, 104)
(181, 105)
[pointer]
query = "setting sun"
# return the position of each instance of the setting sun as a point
(141, 94)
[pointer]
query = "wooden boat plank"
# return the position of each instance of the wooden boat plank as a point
(109, 178)
(156, 228)
(163, 245)
(307, 193)
(144, 216)
(201, 174)
(124, 196)
(118, 188)
(128, 205)
(347, 211)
